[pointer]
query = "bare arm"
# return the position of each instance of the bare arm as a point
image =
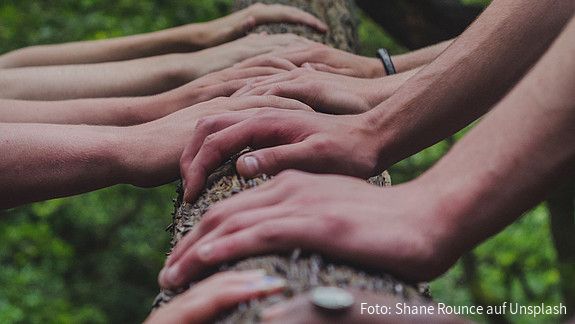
(49, 161)
(420, 57)
(179, 39)
(515, 156)
(469, 77)
(503, 167)
(459, 86)
(136, 77)
(131, 110)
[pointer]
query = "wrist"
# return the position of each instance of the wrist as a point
(375, 68)
(142, 155)
(377, 90)
(464, 208)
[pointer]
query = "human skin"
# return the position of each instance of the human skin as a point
(328, 59)
(300, 309)
(137, 77)
(463, 83)
(185, 38)
(516, 155)
(127, 111)
(327, 92)
(49, 161)
(207, 299)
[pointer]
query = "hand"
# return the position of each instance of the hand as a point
(152, 150)
(300, 309)
(325, 92)
(307, 141)
(327, 59)
(218, 84)
(241, 22)
(399, 230)
(223, 56)
(209, 298)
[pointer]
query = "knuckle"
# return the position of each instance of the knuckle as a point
(270, 234)
(322, 146)
(210, 142)
(234, 224)
(334, 224)
(205, 124)
(212, 218)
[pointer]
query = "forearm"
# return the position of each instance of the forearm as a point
(515, 156)
(179, 39)
(380, 89)
(49, 161)
(116, 79)
(99, 111)
(420, 57)
(467, 78)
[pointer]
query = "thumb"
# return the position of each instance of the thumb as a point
(273, 160)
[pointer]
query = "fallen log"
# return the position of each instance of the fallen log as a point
(302, 270)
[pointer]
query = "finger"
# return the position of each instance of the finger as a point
(281, 13)
(255, 71)
(280, 77)
(260, 196)
(294, 90)
(258, 86)
(255, 213)
(268, 101)
(186, 266)
(267, 60)
(212, 296)
(324, 68)
(205, 127)
(272, 160)
(216, 148)
(275, 235)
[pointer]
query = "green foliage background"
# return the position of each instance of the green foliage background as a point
(94, 258)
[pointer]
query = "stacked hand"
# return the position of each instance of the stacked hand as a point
(241, 22)
(299, 210)
(151, 151)
(218, 84)
(301, 140)
(325, 92)
(226, 55)
(324, 58)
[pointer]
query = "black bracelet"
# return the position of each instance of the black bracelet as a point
(386, 60)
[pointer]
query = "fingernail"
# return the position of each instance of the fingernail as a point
(273, 312)
(251, 164)
(169, 276)
(267, 284)
(205, 252)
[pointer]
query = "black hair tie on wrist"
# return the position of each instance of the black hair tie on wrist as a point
(386, 60)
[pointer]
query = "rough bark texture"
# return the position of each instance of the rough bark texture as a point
(302, 270)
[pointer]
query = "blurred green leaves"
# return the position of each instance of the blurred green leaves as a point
(94, 258)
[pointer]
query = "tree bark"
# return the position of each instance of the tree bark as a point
(302, 270)
(420, 23)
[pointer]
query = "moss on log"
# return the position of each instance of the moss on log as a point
(302, 270)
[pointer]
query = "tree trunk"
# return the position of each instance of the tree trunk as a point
(420, 23)
(302, 270)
